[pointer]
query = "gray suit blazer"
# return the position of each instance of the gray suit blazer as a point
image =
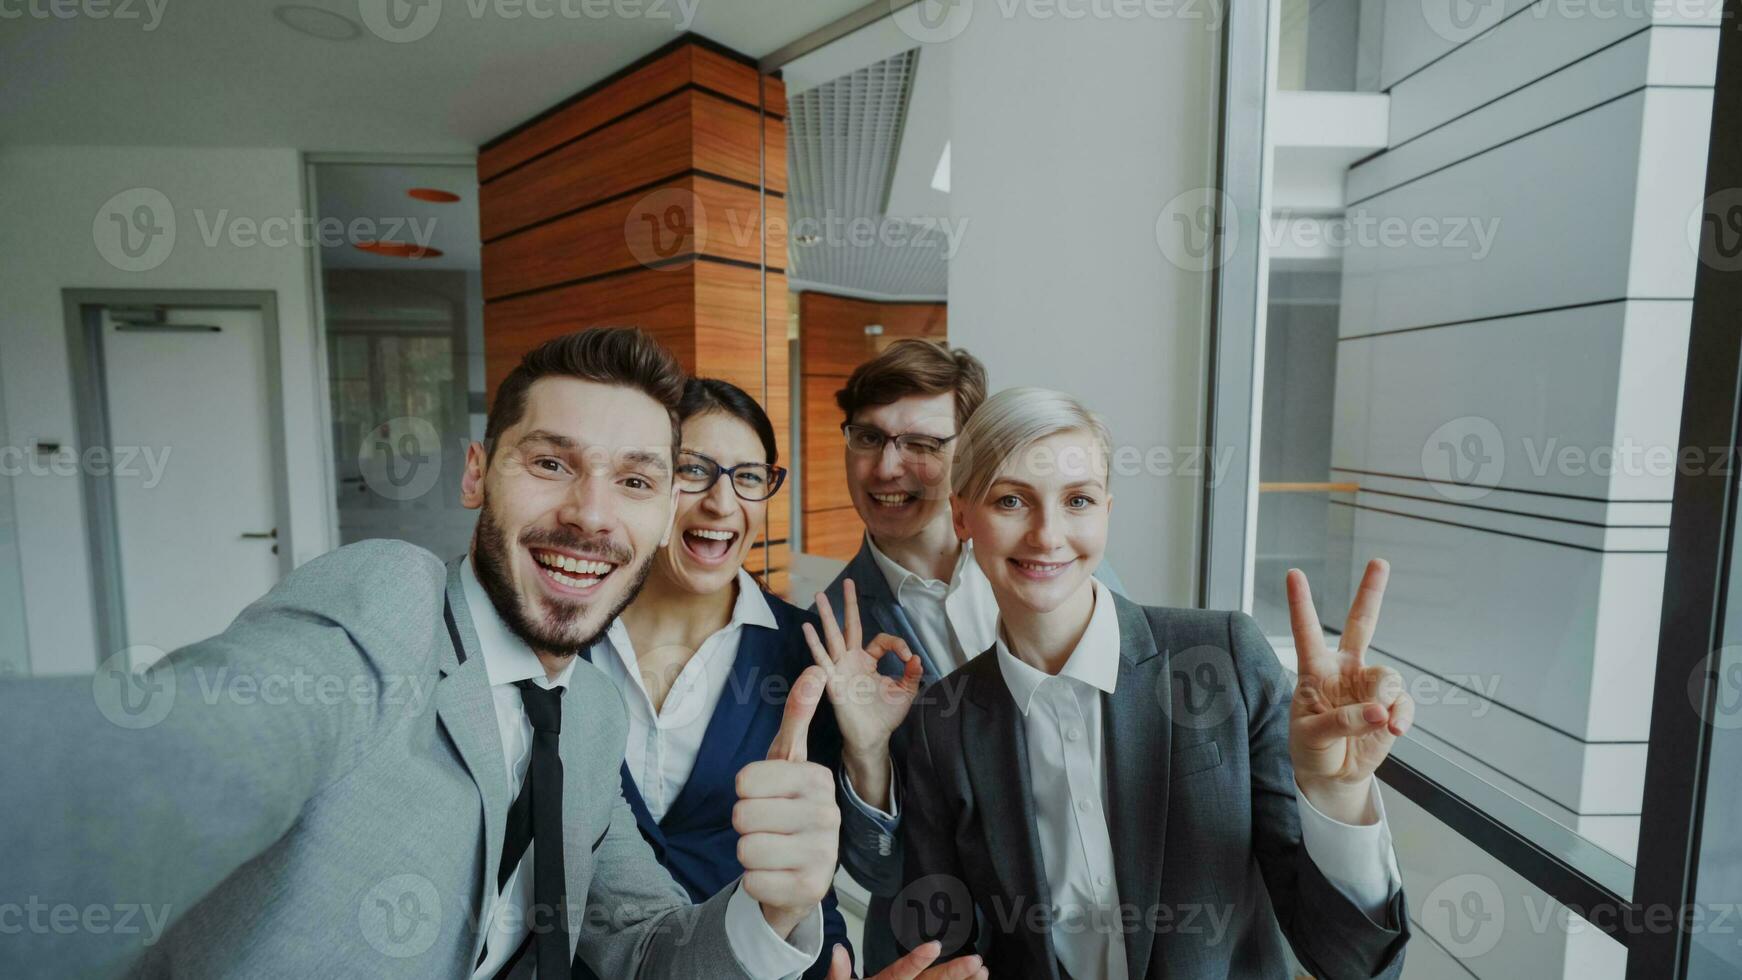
(1200, 806)
(317, 791)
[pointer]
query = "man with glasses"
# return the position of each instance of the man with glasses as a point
(913, 579)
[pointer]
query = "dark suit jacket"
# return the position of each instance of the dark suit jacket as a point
(695, 840)
(880, 613)
(1200, 805)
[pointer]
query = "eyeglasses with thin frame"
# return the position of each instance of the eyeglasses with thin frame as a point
(914, 445)
(697, 473)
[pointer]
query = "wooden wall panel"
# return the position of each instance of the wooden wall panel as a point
(635, 151)
(663, 76)
(833, 533)
(658, 227)
(657, 300)
(563, 208)
(832, 342)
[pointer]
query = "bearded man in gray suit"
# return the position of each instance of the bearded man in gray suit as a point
(388, 767)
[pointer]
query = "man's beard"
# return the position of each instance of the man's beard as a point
(558, 631)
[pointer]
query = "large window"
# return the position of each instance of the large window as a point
(1470, 308)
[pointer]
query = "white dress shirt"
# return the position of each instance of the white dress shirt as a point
(663, 745)
(507, 659)
(1068, 769)
(955, 620)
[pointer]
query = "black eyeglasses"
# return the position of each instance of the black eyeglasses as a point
(914, 445)
(697, 473)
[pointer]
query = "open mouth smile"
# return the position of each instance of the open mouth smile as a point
(1040, 570)
(571, 574)
(709, 545)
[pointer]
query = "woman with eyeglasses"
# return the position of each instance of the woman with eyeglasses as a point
(705, 658)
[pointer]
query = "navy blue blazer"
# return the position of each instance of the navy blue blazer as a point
(695, 841)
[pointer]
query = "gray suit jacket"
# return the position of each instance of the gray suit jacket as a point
(1200, 806)
(870, 855)
(317, 791)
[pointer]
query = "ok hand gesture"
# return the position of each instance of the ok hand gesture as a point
(1345, 714)
(869, 706)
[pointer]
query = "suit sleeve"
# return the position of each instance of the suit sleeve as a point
(1332, 936)
(152, 789)
(934, 902)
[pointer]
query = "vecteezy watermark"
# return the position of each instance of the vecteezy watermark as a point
(149, 13)
(1198, 689)
(672, 223)
(936, 21)
(1715, 688)
(1715, 230)
(133, 695)
(1458, 21)
(39, 917)
(134, 231)
(1200, 229)
(1466, 914)
(130, 696)
(404, 21)
(143, 463)
(401, 916)
(829, 230)
(401, 459)
(1465, 459)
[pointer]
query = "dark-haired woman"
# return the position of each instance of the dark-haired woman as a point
(704, 659)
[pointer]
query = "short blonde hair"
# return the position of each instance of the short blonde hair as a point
(1010, 421)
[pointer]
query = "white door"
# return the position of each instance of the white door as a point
(195, 495)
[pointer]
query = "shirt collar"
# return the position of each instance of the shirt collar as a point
(751, 608)
(507, 658)
(1094, 662)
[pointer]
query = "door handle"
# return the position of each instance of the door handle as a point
(271, 535)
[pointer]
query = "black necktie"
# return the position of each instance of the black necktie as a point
(537, 816)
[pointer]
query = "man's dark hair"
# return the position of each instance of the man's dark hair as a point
(625, 356)
(912, 366)
(713, 395)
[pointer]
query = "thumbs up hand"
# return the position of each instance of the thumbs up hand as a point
(787, 822)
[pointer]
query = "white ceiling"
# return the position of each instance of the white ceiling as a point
(370, 201)
(229, 73)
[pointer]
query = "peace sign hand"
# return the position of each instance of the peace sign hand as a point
(869, 706)
(1345, 714)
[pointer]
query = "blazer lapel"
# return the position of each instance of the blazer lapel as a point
(1138, 746)
(468, 716)
(997, 764)
(884, 615)
(734, 721)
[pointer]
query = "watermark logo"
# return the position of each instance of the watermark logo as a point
(133, 699)
(1197, 231)
(1465, 458)
(134, 231)
(401, 459)
(666, 224)
(150, 12)
(1721, 673)
(936, 907)
(400, 21)
(1199, 688)
(1467, 914)
(1715, 230)
(401, 916)
(1458, 21)
(933, 21)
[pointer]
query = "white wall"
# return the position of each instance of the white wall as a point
(51, 197)
(1068, 138)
